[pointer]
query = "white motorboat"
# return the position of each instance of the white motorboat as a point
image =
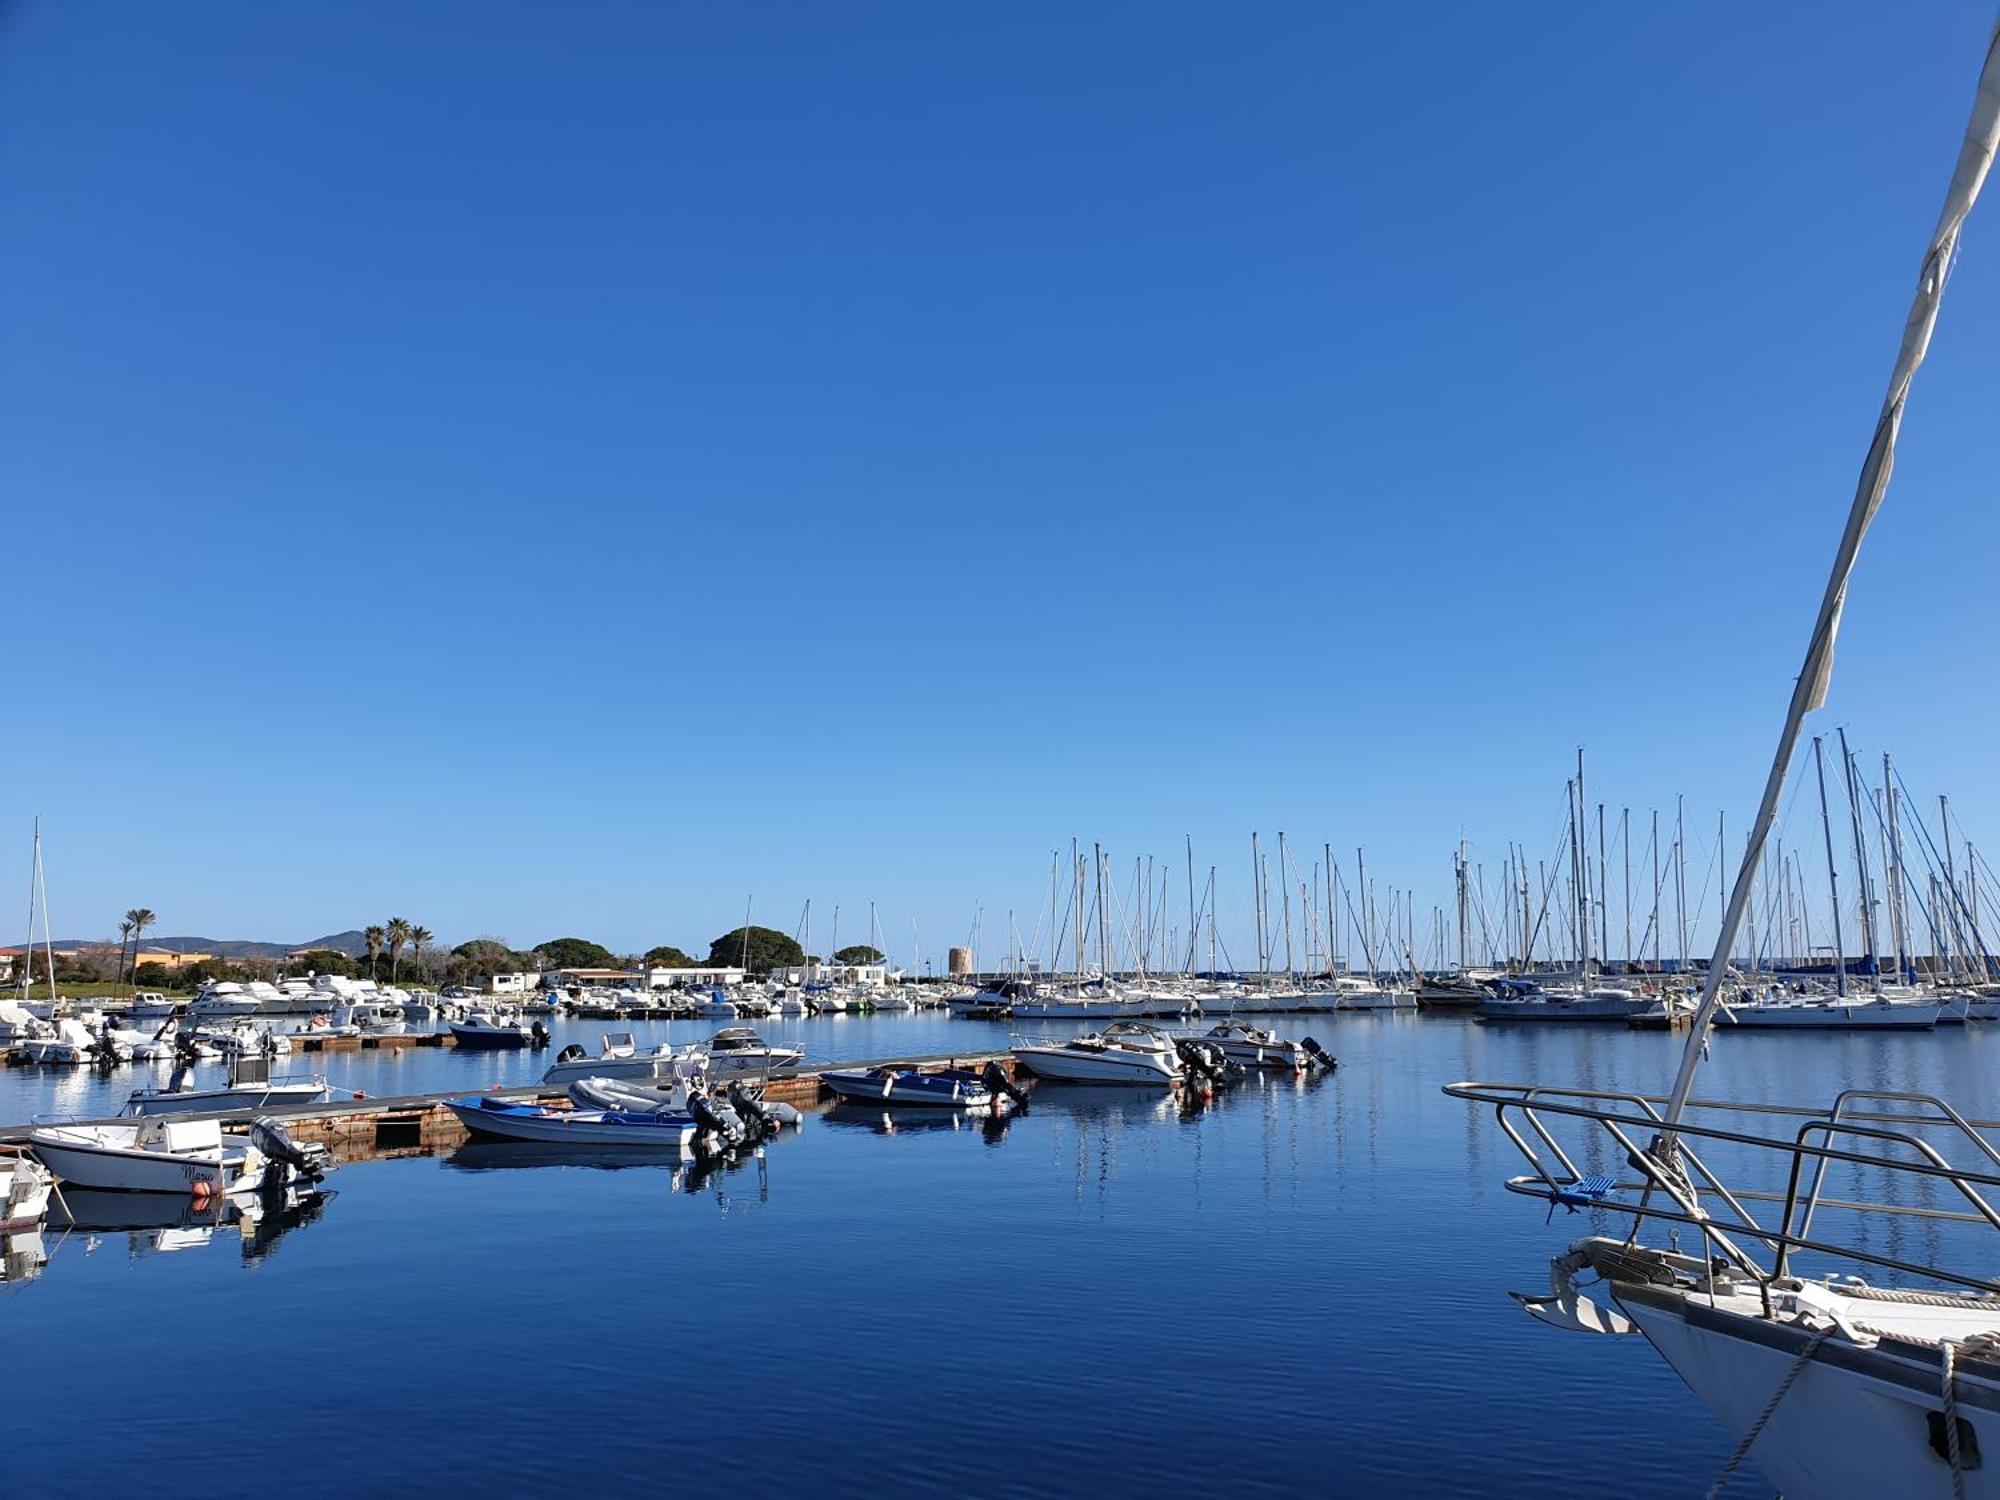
(738, 1049)
(1124, 1052)
(621, 1057)
(1254, 1047)
(144, 1156)
(169, 1155)
(25, 1185)
(150, 1005)
(491, 1031)
(222, 999)
(250, 1087)
(71, 1043)
(952, 1088)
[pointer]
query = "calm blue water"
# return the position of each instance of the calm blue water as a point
(1299, 1290)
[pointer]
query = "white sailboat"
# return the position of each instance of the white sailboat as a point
(1832, 1386)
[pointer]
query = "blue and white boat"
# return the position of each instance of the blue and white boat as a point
(954, 1088)
(514, 1120)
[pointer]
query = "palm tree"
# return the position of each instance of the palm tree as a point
(124, 938)
(137, 920)
(399, 934)
(420, 939)
(373, 936)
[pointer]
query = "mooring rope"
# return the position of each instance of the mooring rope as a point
(1757, 1427)
(1947, 1357)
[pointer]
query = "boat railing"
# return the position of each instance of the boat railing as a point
(1672, 1179)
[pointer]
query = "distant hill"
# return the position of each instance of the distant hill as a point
(350, 943)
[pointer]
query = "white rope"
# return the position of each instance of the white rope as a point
(1947, 1357)
(1757, 1427)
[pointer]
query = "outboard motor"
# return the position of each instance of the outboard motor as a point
(269, 1137)
(999, 1085)
(750, 1110)
(715, 1118)
(538, 1036)
(1319, 1056)
(572, 1053)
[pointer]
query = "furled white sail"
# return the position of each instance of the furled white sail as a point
(1975, 159)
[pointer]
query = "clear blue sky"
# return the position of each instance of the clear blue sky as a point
(560, 468)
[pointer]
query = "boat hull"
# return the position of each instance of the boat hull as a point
(596, 1128)
(1856, 1423)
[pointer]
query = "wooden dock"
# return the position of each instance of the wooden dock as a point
(372, 1127)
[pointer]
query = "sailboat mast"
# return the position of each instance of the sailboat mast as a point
(1103, 953)
(1975, 159)
(1285, 890)
(1832, 875)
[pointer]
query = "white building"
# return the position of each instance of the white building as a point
(667, 979)
(511, 984)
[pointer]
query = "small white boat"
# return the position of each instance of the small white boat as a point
(250, 1087)
(1254, 1047)
(72, 1043)
(738, 1049)
(150, 1005)
(25, 1185)
(622, 1058)
(485, 1031)
(1126, 1052)
(169, 1156)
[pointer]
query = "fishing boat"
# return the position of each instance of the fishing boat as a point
(621, 1057)
(1125, 1052)
(171, 1156)
(250, 1087)
(738, 1049)
(951, 1088)
(1833, 1385)
(488, 1031)
(512, 1120)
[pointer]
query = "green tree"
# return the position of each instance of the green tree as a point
(373, 937)
(398, 933)
(420, 940)
(480, 956)
(326, 961)
(859, 953)
(575, 953)
(138, 919)
(758, 949)
(666, 956)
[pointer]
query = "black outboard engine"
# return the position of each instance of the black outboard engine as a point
(572, 1053)
(716, 1119)
(538, 1036)
(999, 1084)
(750, 1110)
(269, 1137)
(1319, 1056)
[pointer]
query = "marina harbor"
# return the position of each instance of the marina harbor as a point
(1047, 751)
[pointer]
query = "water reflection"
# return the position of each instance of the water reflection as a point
(158, 1224)
(883, 1119)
